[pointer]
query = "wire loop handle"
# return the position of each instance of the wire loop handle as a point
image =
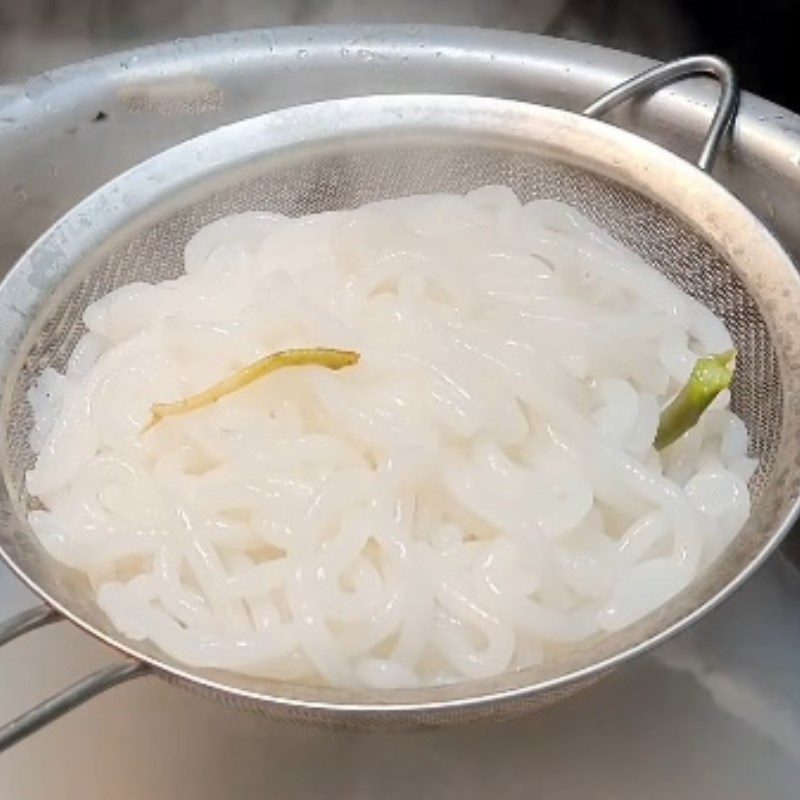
(669, 73)
(67, 699)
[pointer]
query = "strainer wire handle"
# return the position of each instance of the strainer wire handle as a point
(671, 72)
(67, 699)
(25, 621)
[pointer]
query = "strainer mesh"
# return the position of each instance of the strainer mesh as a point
(345, 180)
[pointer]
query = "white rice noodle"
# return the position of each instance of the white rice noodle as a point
(478, 494)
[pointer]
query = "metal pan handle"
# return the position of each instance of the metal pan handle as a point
(64, 701)
(671, 72)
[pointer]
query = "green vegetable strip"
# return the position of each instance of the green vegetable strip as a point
(315, 356)
(711, 374)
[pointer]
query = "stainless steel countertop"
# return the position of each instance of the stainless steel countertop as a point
(714, 714)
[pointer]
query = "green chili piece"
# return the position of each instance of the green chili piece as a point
(710, 375)
(313, 356)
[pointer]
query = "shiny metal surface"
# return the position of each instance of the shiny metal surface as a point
(516, 757)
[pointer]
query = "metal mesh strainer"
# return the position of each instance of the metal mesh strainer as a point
(344, 153)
